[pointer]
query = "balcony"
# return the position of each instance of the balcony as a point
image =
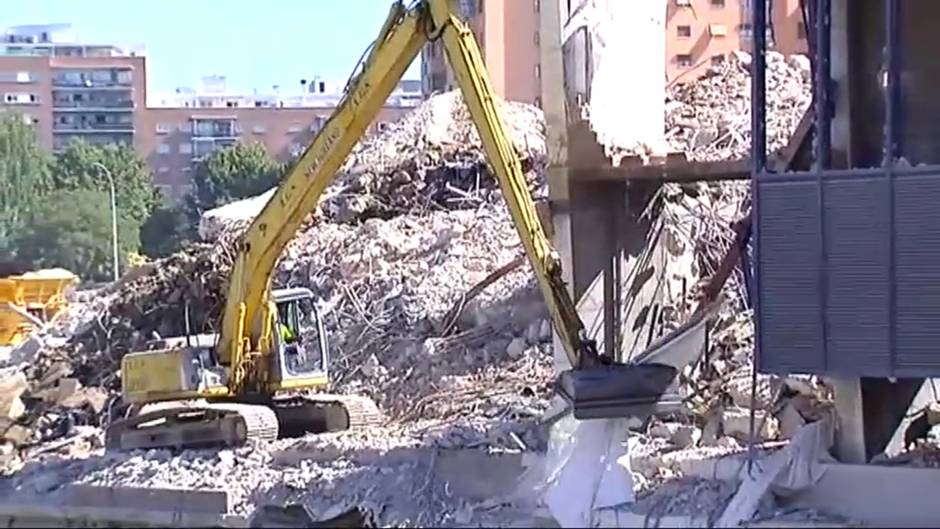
(214, 128)
(110, 79)
(92, 128)
(86, 106)
(92, 123)
(203, 147)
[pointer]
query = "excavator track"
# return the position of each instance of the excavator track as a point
(299, 415)
(191, 424)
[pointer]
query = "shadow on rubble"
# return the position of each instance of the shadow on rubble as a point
(296, 515)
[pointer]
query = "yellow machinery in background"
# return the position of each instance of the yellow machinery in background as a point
(27, 301)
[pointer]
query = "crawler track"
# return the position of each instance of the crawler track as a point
(194, 424)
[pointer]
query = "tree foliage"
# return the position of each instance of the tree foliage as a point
(165, 231)
(77, 168)
(72, 229)
(24, 171)
(240, 171)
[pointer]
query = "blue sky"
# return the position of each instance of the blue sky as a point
(254, 44)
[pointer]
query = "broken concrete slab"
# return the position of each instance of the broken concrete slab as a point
(790, 421)
(146, 498)
(34, 514)
(790, 469)
(736, 422)
(12, 385)
(865, 492)
(23, 352)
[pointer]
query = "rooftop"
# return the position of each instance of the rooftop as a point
(57, 40)
(309, 94)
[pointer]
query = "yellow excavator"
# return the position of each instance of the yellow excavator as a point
(253, 379)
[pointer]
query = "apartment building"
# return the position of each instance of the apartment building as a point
(507, 32)
(68, 89)
(699, 33)
(184, 127)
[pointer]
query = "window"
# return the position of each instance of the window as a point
(684, 60)
(717, 30)
(163, 148)
(20, 99)
(718, 3)
(684, 31)
(124, 77)
(186, 148)
(17, 77)
(258, 129)
(718, 59)
(538, 5)
(538, 102)
(801, 31)
(163, 128)
(538, 71)
(470, 8)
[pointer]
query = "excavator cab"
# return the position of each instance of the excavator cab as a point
(302, 353)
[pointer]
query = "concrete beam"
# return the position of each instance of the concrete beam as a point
(554, 107)
(673, 170)
(878, 496)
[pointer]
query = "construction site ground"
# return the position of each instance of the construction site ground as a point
(432, 314)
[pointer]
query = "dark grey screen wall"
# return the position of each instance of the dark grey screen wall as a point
(832, 300)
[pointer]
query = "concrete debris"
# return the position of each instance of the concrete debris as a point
(431, 158)
(710, 118)
(736, 422)
(409, 230)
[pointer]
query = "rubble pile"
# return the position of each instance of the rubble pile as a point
(392, 287)
(432, 156)
(430, 159)
(410, 227)
(395, 482)
(710, 118)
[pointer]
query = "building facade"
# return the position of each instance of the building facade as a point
(508, 34)
(180, 129)
(70, 90)
(699, 33)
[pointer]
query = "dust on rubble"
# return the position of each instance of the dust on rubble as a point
(411, 224)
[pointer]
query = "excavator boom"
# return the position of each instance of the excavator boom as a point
(403, 35)
(245, 386)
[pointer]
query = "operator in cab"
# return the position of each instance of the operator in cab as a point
(289, 339)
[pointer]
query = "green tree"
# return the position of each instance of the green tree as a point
(165, 231)
(240, 171)
(77, 168)
(72, 229)
(24, 171)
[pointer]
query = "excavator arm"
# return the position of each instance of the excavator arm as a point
(246, 324)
